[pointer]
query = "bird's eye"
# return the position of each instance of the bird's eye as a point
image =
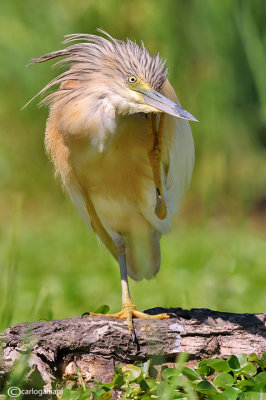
(132, 79)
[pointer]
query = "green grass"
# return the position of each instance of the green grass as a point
(62, 271)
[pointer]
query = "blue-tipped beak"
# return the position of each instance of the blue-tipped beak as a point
(162, 103)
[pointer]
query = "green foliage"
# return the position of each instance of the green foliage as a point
(239, 377)
(103, 309)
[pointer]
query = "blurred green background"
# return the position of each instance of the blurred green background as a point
(216, 255)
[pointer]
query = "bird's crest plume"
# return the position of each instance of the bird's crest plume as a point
(101, 54)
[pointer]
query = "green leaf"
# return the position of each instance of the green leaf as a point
(253, 396)
(219, 365)
(261, 377)
(151, 383)
(190, 374)
(233, 363)
(254, 358)
(169, 372)
(203, 362)
(118, 369)
(107, 385)
(242, 359)
(231, 393)
(86, 395)
(144, 386)
(134, 392)
(203, 369)
(249, 369)
(70, 394)
(216, 396)
(102, 394)
(164, 390)
(257, 387)
(105, 396)
(102, 309)
(118, 381)
(244, 383)
(264, 360)
(145, 368)
(131, 372)
(205, 387)
(223, 380)
(263, 388)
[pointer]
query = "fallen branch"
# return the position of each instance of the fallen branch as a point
(96, 344)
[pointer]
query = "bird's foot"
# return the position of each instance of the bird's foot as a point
(128, 312)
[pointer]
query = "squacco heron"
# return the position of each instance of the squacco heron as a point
(123, 148)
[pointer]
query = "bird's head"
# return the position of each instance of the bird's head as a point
(120, 71)
(148, 99)
(108, 76)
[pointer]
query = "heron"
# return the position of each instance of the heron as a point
(123, 148)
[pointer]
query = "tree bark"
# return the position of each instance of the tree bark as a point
(94, 345)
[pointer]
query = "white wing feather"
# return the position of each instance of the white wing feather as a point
(178, 160)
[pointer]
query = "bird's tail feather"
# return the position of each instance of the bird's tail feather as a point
(143, 254)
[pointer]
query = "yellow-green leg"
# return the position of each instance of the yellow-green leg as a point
(129, 310)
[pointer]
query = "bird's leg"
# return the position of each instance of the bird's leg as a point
(129, 309)
(155, 159)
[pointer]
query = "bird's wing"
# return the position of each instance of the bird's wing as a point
(177, 155)
(95, 222)
(76, 189)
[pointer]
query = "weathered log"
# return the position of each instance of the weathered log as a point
(96, 344)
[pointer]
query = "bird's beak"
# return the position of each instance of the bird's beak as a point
(162, 103)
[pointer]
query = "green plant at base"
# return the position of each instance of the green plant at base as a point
(239, 377)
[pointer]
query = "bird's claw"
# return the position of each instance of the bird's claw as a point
(172, 315)
(133, 335)
(85, 314)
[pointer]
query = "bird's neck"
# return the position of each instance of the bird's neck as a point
(82, 122)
